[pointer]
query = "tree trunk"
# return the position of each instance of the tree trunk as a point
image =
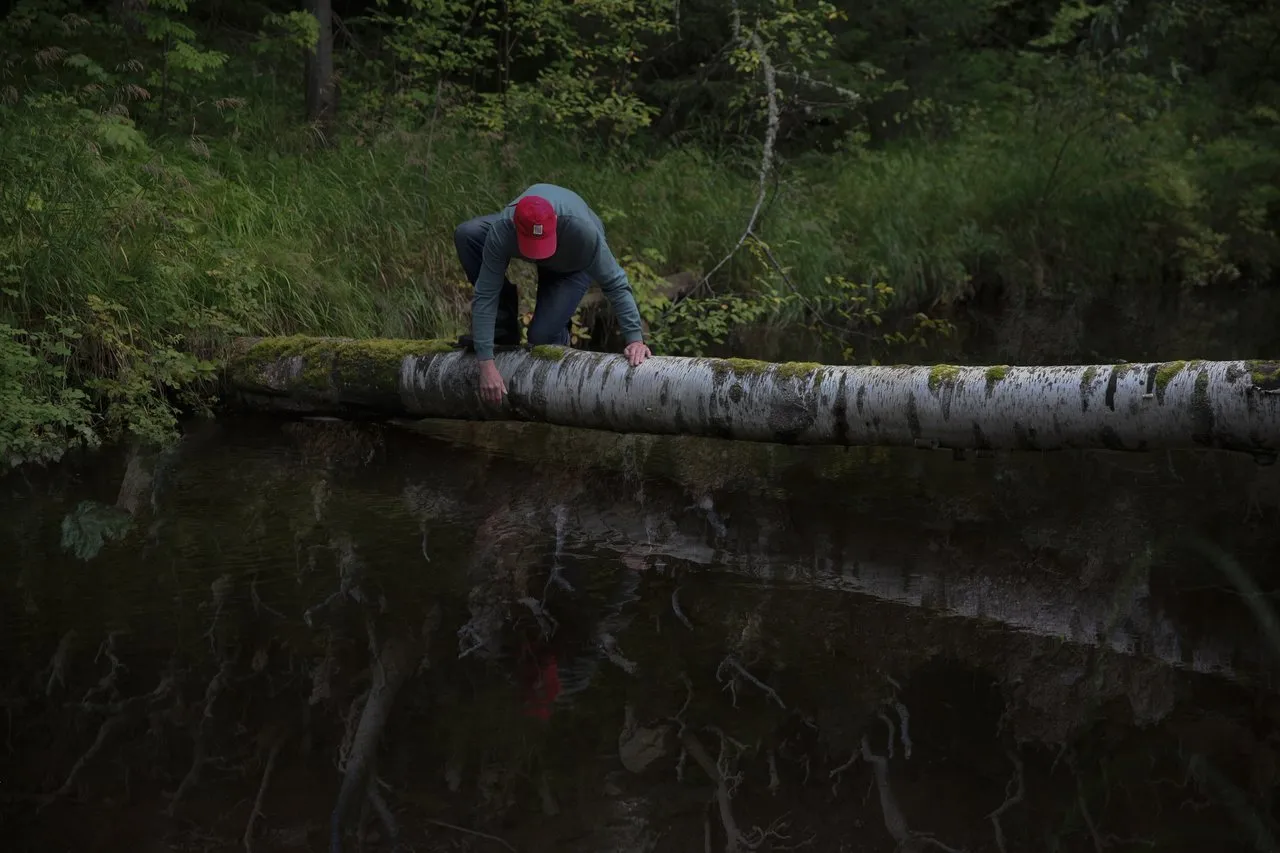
(1232, 405)
(321, 97)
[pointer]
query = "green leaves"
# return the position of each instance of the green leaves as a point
(539, 61)
(116, 131)
(88, 527)
(41, 414)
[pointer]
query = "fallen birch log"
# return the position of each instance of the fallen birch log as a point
(1231, 405)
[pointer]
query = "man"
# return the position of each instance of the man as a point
(553, 228)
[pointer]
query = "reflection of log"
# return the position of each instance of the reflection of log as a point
(1230, 405)
(1122, 618)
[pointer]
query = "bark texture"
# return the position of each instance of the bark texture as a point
(1232, 405)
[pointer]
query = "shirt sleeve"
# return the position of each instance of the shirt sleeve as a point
(484, 303)
(615, 285)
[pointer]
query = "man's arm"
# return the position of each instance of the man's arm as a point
(484, 303)
(615, 285)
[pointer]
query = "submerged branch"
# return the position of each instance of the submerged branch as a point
(123, 714)
(256, 811)
(734, 841)
(392, 668)
(1018, 784)
(475, 832)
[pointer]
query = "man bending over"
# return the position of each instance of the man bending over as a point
(553, 228)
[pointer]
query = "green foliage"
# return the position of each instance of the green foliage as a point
(88, 527)
(578, 51)
(160, 194)
(40, 414)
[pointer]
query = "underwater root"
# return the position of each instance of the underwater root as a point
(895, 823)
(735, 840)
(495, 839)
(256, 811)
(123, 714)
(1018, 784)
(211, 694)
(392, 668)
(731, 662)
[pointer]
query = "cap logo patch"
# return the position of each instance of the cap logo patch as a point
(537, 230)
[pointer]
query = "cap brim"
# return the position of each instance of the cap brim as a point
(537, 248)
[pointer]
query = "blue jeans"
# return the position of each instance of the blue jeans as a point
(557, 298)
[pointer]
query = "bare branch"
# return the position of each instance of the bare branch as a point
(770, 135)
(848, 95)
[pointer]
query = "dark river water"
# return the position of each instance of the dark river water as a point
(310, 635)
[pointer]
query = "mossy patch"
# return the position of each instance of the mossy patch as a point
(1166, 372)
(723, 367)
(1264, 374)
(549, 352)
(747, 365)
(798, 369)
(995, 375)
(363, 366)
(940, 373)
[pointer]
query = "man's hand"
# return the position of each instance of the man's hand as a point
(636, 352)
(491, 385)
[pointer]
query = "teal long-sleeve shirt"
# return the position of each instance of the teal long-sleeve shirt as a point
(580, 245)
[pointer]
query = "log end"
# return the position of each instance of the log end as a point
(304, 366)
(1264, 374)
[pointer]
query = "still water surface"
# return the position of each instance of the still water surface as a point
(285, 636)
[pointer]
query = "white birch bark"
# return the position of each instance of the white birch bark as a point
(1233, 405)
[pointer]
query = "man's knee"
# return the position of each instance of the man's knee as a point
(543, 336)
(544, 333)
(470, 235)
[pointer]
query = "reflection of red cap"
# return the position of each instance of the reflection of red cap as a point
(542, 693)
(535, 227)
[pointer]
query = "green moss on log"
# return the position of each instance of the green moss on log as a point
(742, 366)
(1166, 372)
(371, 365)
(940, 373)
(724, 367)
(1265, 374)
(798, 369)
(549, 352)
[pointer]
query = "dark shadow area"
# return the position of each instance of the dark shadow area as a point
(314, 635)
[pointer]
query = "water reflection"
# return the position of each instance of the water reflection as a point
(316, 635)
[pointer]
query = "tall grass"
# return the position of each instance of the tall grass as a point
(126, 258)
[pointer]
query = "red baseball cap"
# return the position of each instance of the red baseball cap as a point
(535, 227)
